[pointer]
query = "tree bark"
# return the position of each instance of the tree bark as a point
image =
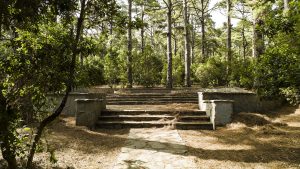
(143, 30)
(187, 52)
(8, 151)
(192, 42)
(203, 42)
(58, 111)
(286, 5)
(228, 43)
(129, 47)
(169, 46)
(244, 41)
(258, 42)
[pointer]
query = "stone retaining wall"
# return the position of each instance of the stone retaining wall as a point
(70, 107)
(243, 102)
(88, 111)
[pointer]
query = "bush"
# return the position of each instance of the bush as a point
(147, 69)
(242, 74)
(91, 72)
(177, 71)
(278, 74)
(212, 73)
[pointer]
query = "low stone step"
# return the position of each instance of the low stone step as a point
(149, 102)
(157, 124)
(111, 112)
(152, 98)
(154, 95)
(152, 118)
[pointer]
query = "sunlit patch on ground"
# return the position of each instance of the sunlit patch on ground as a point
(253, 140)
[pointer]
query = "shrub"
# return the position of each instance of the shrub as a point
(147, 68)
(91, 72)
(212, 73)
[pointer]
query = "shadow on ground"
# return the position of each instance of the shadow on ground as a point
(251, 138)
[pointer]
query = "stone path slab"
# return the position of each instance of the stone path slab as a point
(154, 149)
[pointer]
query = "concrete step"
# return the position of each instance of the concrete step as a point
(152, 95)
(157, 124)
(152, 118)
(151, 98)
(154, 102)
(111, 112)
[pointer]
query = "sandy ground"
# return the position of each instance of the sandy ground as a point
(80, 148)
(253, 140)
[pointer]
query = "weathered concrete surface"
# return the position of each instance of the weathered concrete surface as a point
(243, 101)
(219, 111)
(70, 107)
(154, 149)
(88, 111)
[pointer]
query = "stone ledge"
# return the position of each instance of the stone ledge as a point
(88, 111)
(214, 101)
(89, 100)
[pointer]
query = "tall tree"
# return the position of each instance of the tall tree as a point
(169, 5)
(228, 42)
(203, 41)
(257, 36)
(286, 5)
(187, 53)
(129, 46)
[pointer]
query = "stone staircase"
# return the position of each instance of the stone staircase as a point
(153, 108)
(190, 119)
(151, 98)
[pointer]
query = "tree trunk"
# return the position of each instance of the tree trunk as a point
(229, 52)
(192, 41)
(169, 46)
(143, 30)
(258, 42)
(129, 47)
(8, 152)
(52, 117)
(286, 5)
(203, 42)
(110, 31)
(187, 53)
(244, 42)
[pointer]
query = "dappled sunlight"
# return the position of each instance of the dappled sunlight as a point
(256, 142)
(80, 147)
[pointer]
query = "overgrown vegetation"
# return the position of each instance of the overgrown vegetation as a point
(54, 46)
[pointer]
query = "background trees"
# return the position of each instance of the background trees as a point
(56, 46)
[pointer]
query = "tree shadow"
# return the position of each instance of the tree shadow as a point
(278, 148)
(70, 136)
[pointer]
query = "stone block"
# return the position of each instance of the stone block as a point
(88, 111)
(70, 107)
(219, 111)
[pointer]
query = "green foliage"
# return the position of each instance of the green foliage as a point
(147, 68)
(112, 68)
(242, 74)
(212, 73)
(90, 72)
(177, 71)
(277, 69)
(291, 94)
